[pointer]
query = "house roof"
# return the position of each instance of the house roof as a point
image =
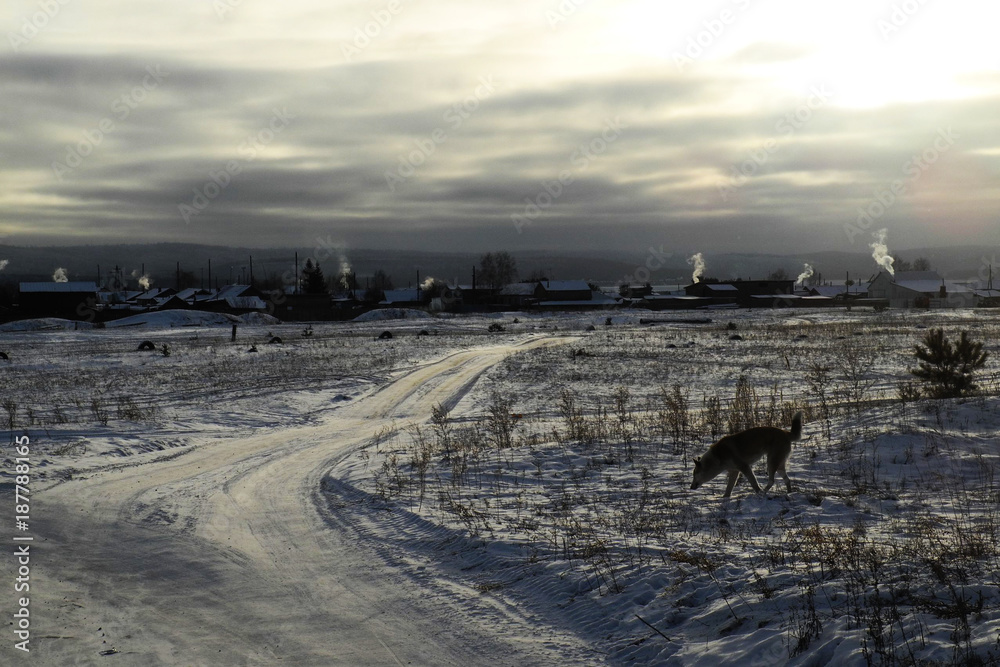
(192, 292)
(828, 290)
(155, 293)
(721, 287)
(932, 286)
(519, 289)
(72, 286)
(565, 285)
(231, 291)
(401, 295)
(246, 302)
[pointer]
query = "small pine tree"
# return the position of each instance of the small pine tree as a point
(312, 275)
(948, 367)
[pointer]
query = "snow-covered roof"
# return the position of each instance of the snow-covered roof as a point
(721, 287)
(829, 290)
(72, 286)
(231, 291)
(519, 289)
(401, 295)
(565, 285)
(246, 302)
(154, 293)
(929, 286)
(192, 292)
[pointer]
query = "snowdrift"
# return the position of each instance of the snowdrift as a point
(165, 319)
(382, 314)
(45, 324)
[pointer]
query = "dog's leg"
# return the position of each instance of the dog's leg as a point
(748, 473)
(788, 482)
(771, 469)
(734, 477)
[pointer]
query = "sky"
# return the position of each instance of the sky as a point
(572, 125)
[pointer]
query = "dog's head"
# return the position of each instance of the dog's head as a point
(698, 474)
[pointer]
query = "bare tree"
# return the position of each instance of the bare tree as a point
(497, 269)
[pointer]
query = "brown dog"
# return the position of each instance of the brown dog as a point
(738, 452)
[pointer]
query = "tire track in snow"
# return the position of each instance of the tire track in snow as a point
(247, 570)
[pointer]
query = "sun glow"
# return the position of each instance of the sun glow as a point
(871, 56)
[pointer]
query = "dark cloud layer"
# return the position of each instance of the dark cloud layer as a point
(441, 152)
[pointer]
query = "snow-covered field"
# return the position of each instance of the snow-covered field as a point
(459, 496)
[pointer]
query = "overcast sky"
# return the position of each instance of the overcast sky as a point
(473, 125)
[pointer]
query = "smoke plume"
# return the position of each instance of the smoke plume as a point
(428, 283)
(144, 280)
(698, 262)
(880, 252)
(4, 263)
(807, 272)
(59, 276)
(345, 271)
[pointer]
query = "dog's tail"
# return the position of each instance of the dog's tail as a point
(797, 426)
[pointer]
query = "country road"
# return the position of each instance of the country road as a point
(227, 555)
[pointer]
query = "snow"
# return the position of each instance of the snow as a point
(383, 314)
(44, 324)
(259, 319)
(247, 502)
(175, 318)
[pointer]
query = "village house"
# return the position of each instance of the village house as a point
(70, 300)
(920, 289)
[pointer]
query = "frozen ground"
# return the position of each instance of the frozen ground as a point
(452, 496)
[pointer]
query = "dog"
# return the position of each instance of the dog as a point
(738, 452)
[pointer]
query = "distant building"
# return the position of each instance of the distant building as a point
(920, 289)
(745, 293)
(718, 293)
(635, 291)
(402, 298)
(565, 290)
(519, 295)
(69, 300)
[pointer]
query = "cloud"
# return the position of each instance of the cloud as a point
(554, 91)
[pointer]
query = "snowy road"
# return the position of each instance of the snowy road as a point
(227, 554)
